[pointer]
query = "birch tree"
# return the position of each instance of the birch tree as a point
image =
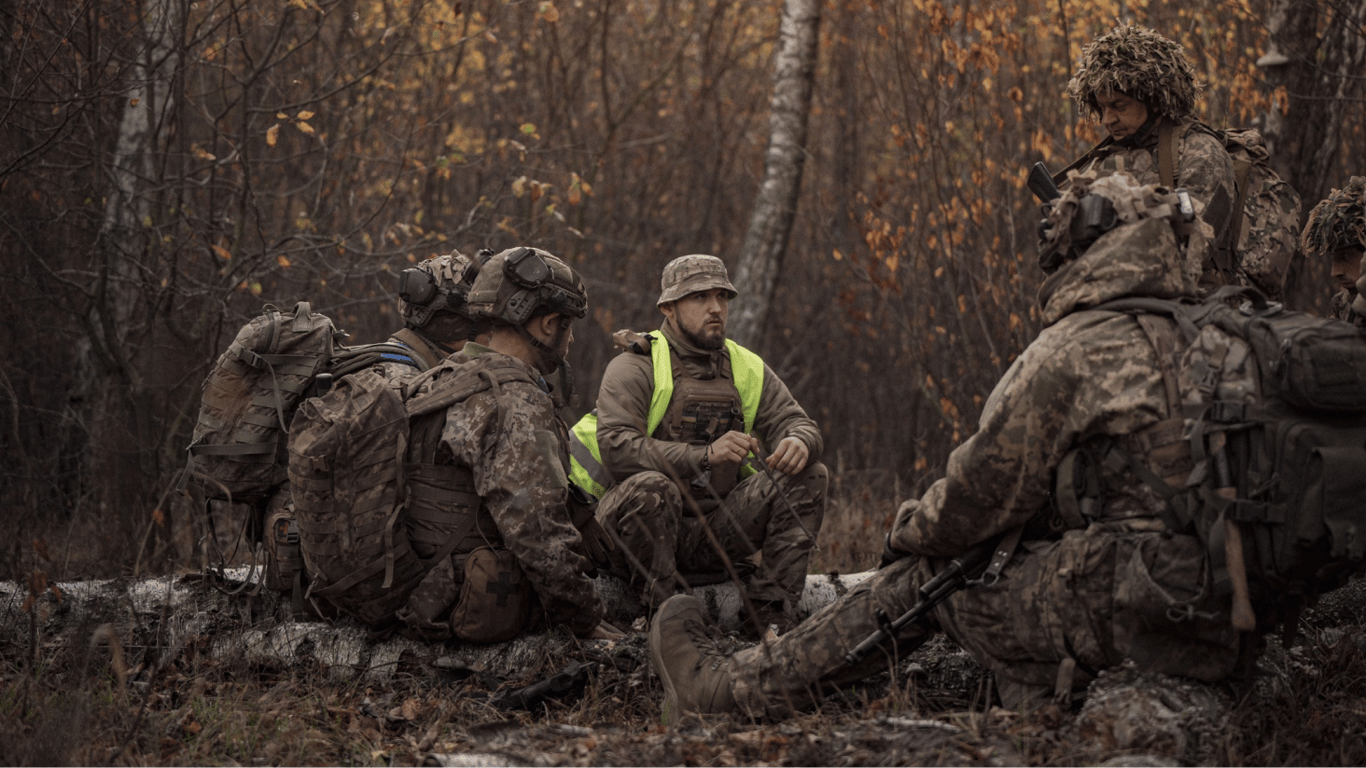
(775, 207)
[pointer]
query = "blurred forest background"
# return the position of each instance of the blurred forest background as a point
(167, 167)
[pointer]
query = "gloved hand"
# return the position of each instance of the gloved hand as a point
(596, 541)
(889, 553)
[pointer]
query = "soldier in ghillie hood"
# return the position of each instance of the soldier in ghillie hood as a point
(1336, 231)
(1141, 88)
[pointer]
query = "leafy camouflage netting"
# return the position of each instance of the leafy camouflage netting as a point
(1337, 222)
(1137, 62)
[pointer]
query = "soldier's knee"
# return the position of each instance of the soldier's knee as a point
(652, 492)
(816, 477)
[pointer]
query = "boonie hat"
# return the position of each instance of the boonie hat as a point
(691, 274)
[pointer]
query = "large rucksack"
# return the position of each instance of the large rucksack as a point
(1274, 409)
(237, 453)
(350, 485)
(1263, 235)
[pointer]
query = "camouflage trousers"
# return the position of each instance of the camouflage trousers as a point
(661, 533)
(1096, 597)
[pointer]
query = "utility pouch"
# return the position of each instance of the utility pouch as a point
(495, 598)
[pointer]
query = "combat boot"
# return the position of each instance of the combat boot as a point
(696, 675)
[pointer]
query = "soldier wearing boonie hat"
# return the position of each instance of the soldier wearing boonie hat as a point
(679, 421)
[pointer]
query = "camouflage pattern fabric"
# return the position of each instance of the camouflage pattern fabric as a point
(1137, 62)
(691, 274)
(1098, 596)
(623, 404)
(516, 449)
(1203, 168)
(1121, 587)
(650, 519)
(1338, 222)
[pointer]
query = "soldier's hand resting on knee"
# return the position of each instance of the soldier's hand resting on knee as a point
(790, 456)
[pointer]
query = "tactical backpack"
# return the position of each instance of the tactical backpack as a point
(353, 493)
(1263, 235)
(1273, 408)
(237, 453)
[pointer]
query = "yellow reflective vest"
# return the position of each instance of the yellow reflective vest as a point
(585, 458)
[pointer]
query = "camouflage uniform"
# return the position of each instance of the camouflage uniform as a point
(646, 508)
(515, 446)
(1142, 64)
(1203, 168)
(1120, 587)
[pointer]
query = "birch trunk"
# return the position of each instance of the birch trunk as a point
(106, 359)
(775, 206)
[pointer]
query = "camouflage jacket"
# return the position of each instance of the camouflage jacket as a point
(624, 404)
(1203, 167)
(518, 456)
(1089, 375)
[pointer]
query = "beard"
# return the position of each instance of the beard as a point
(704, 339)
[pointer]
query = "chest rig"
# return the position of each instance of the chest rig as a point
(703, 409)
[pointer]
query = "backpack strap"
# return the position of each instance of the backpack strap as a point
(1166, 153)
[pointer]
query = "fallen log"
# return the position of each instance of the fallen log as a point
(225, 617)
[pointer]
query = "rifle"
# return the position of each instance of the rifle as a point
(1040, 182)
(932, 593)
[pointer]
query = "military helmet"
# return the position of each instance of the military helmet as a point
(522, 282)
(1338, 222)
(436, 285)
(692, 273)
(1140, 63)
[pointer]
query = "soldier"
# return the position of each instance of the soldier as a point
(1336, 230)
(431, 301)
(493, 466)
(675, 420)
(1141, 88)
(1115, 585)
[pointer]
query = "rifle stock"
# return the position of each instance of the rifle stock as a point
(1040, 182)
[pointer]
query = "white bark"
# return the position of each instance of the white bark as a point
(775, 207)
(172, 613)
(132, 167)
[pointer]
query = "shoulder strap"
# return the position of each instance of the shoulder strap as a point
(1166, 153)
(460, 386)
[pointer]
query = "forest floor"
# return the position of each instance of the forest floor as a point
(74, 700)
(80, 704)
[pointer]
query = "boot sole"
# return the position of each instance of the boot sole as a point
(669, 707)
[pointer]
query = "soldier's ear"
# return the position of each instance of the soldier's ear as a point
(668, 309)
